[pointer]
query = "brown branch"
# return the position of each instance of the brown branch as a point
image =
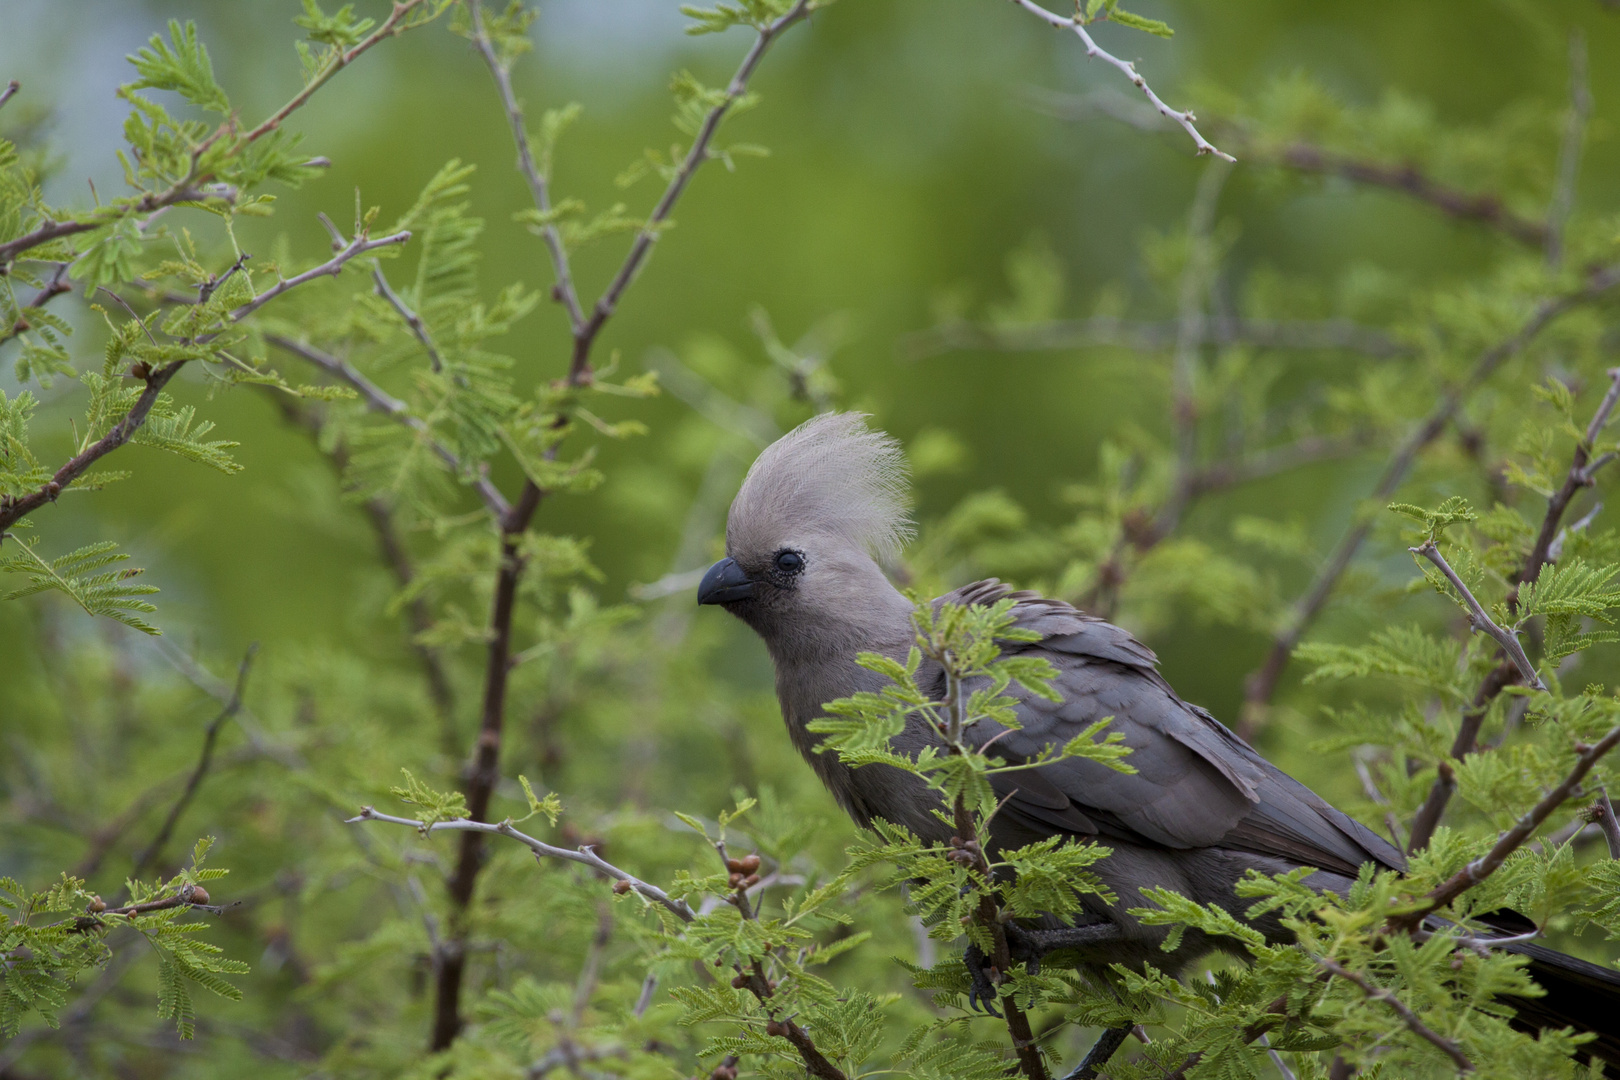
(56, 286)
(1408, 1017)
(191, 896)
(539, 182)
(1511, 840)
(412, 319)
(1465, 206)
(1107, 331)
(210, 737)
(484, 771)
(1480, 619)
(1262, 684)
(1602, 815)
(1507, 670)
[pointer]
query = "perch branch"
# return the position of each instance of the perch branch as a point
(56, 286)
(412, 319)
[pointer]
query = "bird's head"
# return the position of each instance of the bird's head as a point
(817, 512)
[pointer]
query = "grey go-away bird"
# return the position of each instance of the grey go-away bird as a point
(815, 515)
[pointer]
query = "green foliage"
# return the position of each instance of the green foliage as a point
(1199, 480)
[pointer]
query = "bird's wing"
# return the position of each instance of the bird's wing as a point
(1196, 784)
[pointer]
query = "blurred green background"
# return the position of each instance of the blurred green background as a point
(913, 150)
(906, 161)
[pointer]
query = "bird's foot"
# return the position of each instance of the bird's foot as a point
(982, 994)
(1028, 947)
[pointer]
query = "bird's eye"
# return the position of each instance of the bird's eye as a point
(789, 562)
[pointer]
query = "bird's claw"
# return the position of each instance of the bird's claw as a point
(1023, 948)
(982, 994)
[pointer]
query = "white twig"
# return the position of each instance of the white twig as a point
(333, 266)
(1480, 620)
(583, 855)
(1128, 69)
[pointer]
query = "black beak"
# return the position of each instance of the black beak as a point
(724, 582)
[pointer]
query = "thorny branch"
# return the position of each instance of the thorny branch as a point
(1262, 684)
(1128, 69)
(484, 769)
(1408, 1017)
(1511, 840)
(814, 1060)
(1581, 474)
(210, 737)
(1480, 619)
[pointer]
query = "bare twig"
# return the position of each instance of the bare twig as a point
(1107, 331)
(539, 181)
(331, 267)
(210, 737)
(585, 856)
(1569, 150)
(1511, 840)
(1262, 684)
(1408, 1017)
(379, 400)
(1480, 619)
(9, 92)
(1128, 69)
(412, 319)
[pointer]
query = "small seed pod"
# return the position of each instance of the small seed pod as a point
(736, 879)
(739, 981)
(96, 905)
(777, 1028)
(734, 865)
(749, 863)
(621, 887)
(199, 895)
(750, 881)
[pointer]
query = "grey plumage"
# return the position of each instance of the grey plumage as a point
(803, 539)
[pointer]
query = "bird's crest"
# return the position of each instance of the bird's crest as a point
(831, 474)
